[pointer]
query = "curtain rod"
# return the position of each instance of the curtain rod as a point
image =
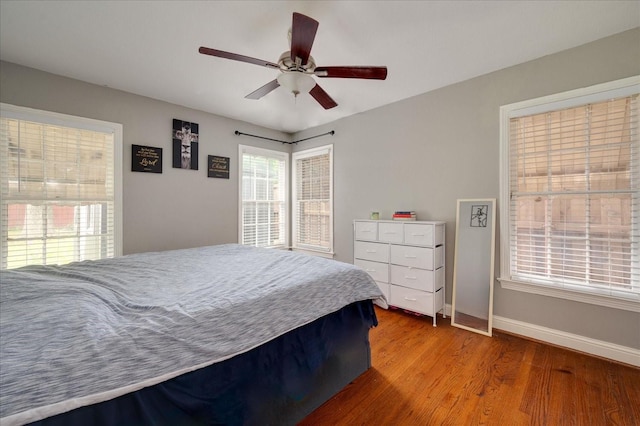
(238, 133)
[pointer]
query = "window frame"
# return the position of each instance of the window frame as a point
(600, 92)
(65, 120)
(307, 153)
(269, 153)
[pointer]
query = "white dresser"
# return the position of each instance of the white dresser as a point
(406, 259)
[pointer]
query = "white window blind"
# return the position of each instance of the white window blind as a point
(263, 197)
(573, 206)
(59, 185)
(313, 199)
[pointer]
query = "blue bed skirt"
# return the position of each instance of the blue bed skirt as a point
(277, 383)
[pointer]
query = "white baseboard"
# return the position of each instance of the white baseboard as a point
(572, 341)
(576, 342)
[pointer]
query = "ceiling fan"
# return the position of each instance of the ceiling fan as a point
(297, 65)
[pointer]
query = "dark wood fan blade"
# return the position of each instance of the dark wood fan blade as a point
(236, 57)
(257, 94)
(374, 73)
(322, 97)
(303, 32)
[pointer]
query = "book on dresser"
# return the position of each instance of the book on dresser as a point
(407, 261)
(404, 215)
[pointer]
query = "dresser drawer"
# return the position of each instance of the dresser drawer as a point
(419, 279)
(378, 271)
(377, 252)
(417, 257)
(366, 231)
(390, 232)
(411, 299)
(438, 257)
(419, 234)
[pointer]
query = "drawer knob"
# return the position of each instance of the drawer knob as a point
(410, 299)
(410, 256)
(410, 278)
(418, 235)
(371, 251)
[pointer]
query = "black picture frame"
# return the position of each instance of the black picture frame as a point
(217, 167)
(479, 215)
(185, 144)
(146, 159)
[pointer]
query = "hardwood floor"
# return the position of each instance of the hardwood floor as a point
(445, 375)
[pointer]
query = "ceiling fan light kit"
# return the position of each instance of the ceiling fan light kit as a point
(296, 82)
(297, 66)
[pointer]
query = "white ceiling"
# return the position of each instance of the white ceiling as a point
(151, 47)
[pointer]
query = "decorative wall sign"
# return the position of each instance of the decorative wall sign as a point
(185, 145)
(146, 159)
(218, 167)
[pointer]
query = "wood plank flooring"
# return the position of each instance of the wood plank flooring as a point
(423, 375)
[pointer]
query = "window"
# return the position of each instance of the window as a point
(570, 174)
(60, 179)
(313, 199)
(263, 197)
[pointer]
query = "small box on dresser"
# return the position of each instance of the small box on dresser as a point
(407, 261)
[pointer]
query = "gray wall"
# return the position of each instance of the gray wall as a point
(175, 209)
(426, 152)
(422, 154)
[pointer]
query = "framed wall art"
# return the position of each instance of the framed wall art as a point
(146, 159)
(185, 145)
(218, 167)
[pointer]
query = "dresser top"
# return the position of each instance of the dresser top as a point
(409, 222)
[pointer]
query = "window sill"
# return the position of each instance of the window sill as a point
(594, 299)
(328, 255)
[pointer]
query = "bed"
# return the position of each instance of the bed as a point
(225, 334)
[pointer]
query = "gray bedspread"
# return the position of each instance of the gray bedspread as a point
(90, 331)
